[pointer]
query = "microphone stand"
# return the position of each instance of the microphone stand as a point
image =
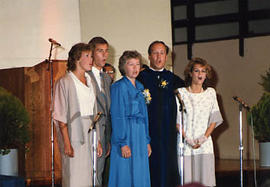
(94, 146)
(181, 143)
(241, 147)
(50, 68)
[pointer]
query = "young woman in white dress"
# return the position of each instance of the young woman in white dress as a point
(74, 108)
(201, 118)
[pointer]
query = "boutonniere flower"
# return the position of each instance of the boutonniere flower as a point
(147, 96)
(163, 83)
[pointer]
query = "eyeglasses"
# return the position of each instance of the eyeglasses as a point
(110, 72)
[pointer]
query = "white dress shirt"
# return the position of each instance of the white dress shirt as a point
(96, 73)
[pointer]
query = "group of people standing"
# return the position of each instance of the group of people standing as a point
(139, 124)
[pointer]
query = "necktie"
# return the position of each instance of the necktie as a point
(102, 87)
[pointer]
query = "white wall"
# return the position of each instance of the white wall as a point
(26, 26)
(237, 76)
(127, 25)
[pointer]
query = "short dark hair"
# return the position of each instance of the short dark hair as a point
(189, 68)
(75, 54)
(108, 65)
(125, 57)
(144, 66)
(157, 42)
(97, 40)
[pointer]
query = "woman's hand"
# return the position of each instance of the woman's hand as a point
(68, 149)
(99, 149)
(126, 152)
(196, 146)
(193, 143)
(190, 141)
(201, 139)
(149, 149)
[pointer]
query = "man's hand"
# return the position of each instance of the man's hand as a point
(108, 150)
(149, 149)
(99, 149)
(177, 127)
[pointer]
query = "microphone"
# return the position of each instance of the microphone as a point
(96, 119)
(182, 105)
(238, 99)
(54, 42)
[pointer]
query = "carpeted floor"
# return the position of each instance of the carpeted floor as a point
(227, 175)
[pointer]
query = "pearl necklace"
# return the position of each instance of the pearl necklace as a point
(191, 91)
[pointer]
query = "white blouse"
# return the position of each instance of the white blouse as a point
(86, 95)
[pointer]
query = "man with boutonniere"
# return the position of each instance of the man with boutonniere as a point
(162, 116)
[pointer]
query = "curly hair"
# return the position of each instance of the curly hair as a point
(125, 57)
(189, 68)
(75, 54)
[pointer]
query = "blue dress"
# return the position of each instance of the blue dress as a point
(129, 127)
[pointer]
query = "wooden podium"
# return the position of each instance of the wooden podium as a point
(32, 86)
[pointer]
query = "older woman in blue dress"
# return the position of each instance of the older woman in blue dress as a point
(201, 118)
(74, 101)
(130, 137)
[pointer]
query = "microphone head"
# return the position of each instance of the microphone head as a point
(54, 42)
(235, 98)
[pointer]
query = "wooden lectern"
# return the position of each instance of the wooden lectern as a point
(32, 86)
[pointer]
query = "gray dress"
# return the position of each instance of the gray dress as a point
(76, 171)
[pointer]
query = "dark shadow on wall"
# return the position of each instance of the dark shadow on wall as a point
(224, 126)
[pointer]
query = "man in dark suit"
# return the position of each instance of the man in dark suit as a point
(162, 116)
(102, 82)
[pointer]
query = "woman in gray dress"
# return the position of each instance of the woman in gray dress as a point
(74, 101)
